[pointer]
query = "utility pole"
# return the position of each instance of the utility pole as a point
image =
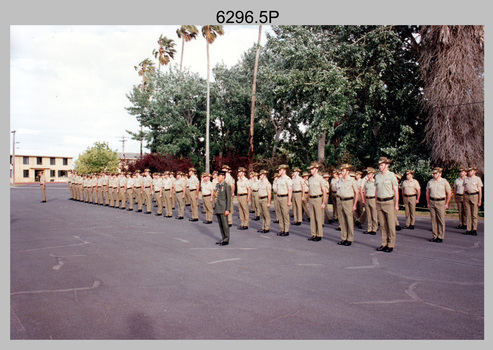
(123, 145)
(13, 158)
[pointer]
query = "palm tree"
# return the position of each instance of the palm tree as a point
(186, 33)
(165, 52)
(210, 33)
(252, 114)
(145, 68)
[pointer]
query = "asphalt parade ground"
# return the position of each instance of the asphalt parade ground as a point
(84, 271)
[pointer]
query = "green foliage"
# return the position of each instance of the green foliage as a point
(98, 158)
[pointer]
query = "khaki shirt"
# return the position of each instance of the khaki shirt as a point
(333, 185)
(283, 184)
(410, 187)
(438, 189)
(192, 182)
(369, 187)
(179, 184)
(130, 183)
(459, 185)
(207, 188)
(385, 184)
(472, 184)
(229, 180)
(254, 184)
(157, 184)
(347, 188)
(316, 184)
(242, 186)
(296, 183)
(123, 181)
(147, 181)
(264, 188)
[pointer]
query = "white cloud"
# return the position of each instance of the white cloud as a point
(69, 83)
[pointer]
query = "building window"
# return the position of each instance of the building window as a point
(52, 173)
(25, 173)
(25, 160)
(65, 161)
(39, 160)
(52, 161)
(62, 173)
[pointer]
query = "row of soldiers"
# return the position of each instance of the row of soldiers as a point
(355, 199)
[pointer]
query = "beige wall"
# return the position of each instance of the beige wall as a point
(33, 168)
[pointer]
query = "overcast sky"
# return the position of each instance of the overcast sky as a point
(68, 84)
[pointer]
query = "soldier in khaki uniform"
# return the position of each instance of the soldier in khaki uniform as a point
(326, 178)
(42, 185)
(317, 203)
(180, 195)
(297, 196)
(411, 191)
(137, 190)
(333, 195)
(276, 202)
(207, 197)
(438, 194)
(264, 195)
(129, 191)
(168, 194)
(157, 186)
(397, 225)
(284, 196)
(359, 213)
(459, 198)
(368, 192)
(193, 188)
(348, 192)
(244, 193)
(473, 189)
(306, 194)
(387, 203)
(255, 204)
(146, 191)
(122, 194)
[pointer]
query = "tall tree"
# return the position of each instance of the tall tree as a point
(100, 157)
(165, 52)
(251, 150)
(186, 33)
(452, 66)
(145, 70)
(210, 33)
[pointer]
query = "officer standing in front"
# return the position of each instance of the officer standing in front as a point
(221, 209)
(42, 183)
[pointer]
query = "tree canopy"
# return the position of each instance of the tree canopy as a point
(98, 158)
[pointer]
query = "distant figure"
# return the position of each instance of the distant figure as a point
(42, 183)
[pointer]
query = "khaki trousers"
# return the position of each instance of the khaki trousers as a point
(243, 209)
(159, 202)
(316, 216)
(130, 198)
(297, 207)
(471, 209)
(371, 210)
(180, 201)
(167, 202)
(346, 220)
(147, 198)
(138, 198)
(335, 211)
(386, 219)
(461, 209)
(43, 193)
(264, 211)
(207, 204)
(410, 209)
(437, 214)
(283, 213)
(254, 203)
(194, 203)
(305, 204)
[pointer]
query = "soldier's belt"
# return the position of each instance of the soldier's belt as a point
(296, 191)
(192, 190)
(282, 195)
(370, 197)
(242, 194)
(254, 190)
(316, 196)
(437, 199)
(385, 199)
(263, 197)
(410, 195)
(347, 198)
(147, 187)
(472, 194)
(206, 195)
(179, 191)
